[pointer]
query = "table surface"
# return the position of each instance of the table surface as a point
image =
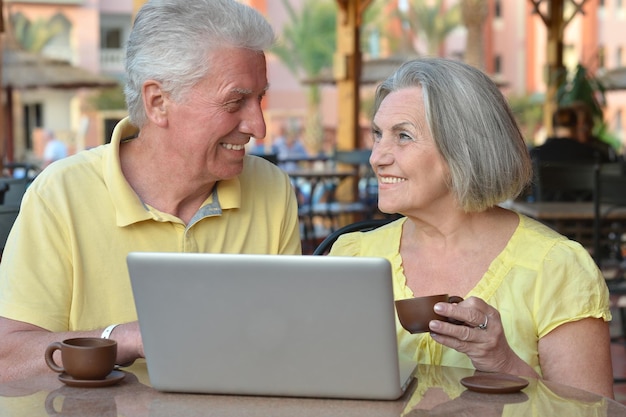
(436, 390)
(563, 210)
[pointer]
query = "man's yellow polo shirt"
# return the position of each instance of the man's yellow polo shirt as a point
(64, 266)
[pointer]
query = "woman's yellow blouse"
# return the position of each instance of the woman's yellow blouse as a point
(538, 282)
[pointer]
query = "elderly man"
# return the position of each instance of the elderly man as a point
(175, 177)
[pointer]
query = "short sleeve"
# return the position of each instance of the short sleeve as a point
(347, 245)
(570, 287)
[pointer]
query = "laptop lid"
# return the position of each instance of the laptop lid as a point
(281, 325)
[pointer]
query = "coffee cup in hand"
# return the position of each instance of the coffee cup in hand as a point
(415, 313)
(84, 358)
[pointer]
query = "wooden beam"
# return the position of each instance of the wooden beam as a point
(347, 71)
(554, 60)
(347, 74)
(555, 21)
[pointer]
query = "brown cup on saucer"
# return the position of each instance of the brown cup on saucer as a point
(84, 358)
(415, 313)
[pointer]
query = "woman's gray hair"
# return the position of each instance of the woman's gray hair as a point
(473, 127)
(171, 41)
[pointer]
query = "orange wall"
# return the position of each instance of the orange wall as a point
(589, 38)
(532, 84)
(260, 5)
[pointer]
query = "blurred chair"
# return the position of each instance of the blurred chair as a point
(21, 170)
(11, 190)
(4, 188)
(356, 158)
(8, 214)
(366, 187)
(566, 182)
(17, 188)
(609, 235)
(320, 209)
(563, 181)
(361, 226)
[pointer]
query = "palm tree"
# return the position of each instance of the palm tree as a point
(373, 28)
(474, 14)
(306, 47)
(433, 21)
(34, 36)
(583, 87)
(528, 112)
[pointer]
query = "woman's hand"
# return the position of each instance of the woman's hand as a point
(481, 337)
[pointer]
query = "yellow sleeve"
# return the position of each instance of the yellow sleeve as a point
(570, 287)
(347, 245)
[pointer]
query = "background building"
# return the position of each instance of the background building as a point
(92, 34)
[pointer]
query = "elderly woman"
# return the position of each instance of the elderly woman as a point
(446, 151)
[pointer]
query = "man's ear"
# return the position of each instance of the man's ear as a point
(155, 102)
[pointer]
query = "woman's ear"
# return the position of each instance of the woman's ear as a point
(155, 102)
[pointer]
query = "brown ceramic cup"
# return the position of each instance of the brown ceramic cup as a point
(415, 313)
(84, 358)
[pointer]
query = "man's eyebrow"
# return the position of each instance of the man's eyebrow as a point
(247, 91)
(243, 91)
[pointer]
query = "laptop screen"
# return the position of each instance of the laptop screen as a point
(281, 325)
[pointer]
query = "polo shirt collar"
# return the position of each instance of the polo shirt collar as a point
(129, 208)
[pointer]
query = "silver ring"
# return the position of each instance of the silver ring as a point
(484, 325)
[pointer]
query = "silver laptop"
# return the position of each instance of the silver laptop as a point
(305, 326)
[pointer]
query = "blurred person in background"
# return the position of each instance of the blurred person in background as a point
(289, 147)
(568, 143)
(54, 149)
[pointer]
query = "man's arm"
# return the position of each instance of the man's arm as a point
(23, 345)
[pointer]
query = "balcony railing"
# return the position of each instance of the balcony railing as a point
(112, 60)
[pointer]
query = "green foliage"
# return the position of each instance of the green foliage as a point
(585, 88)
(433, 21)
(602, 132)
(109, 99)
(529, 115)
(306, 47)
(582, 87)
(374, 21)
(34, 36)
(308, 40)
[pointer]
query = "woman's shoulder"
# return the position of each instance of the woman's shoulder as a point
(533, 242)
(382, 241)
